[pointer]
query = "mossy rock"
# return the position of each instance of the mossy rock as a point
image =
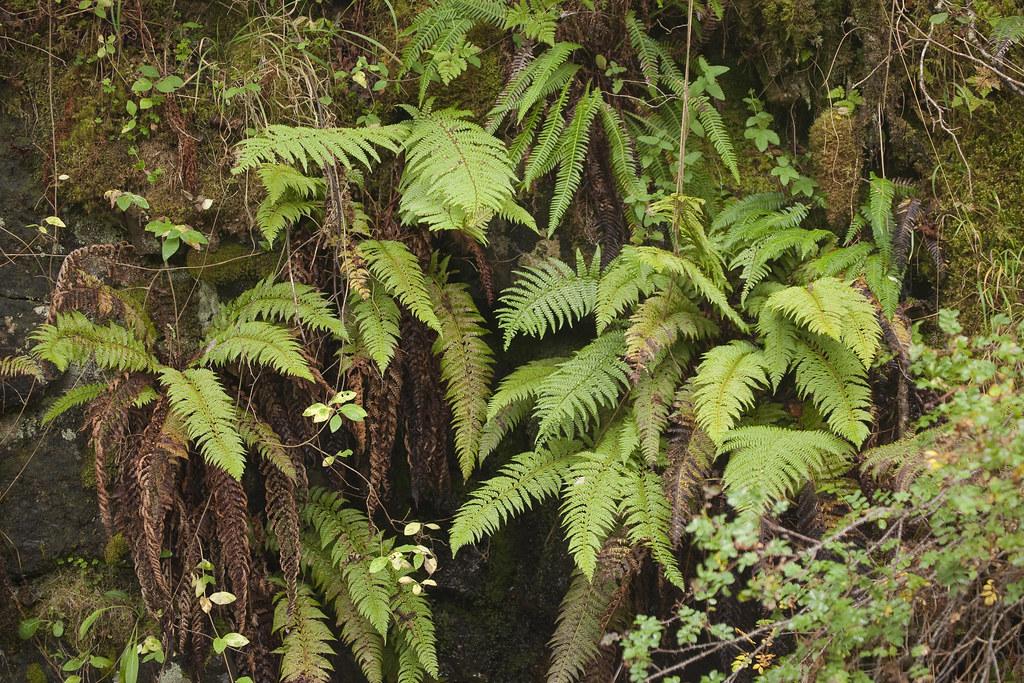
(231, 263)
(838, 162)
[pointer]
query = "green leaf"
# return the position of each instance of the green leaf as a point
(169, 84)
(28, 627)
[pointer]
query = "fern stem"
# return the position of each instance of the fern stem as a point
(684, 125)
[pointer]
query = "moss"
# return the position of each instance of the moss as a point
(34, 674)
(982, 229)
(116, 550)
(70, 595)
(838, 162)
(88, 472)
(231, 263)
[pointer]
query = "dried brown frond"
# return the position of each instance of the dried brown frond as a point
(188, 165)
(690, 453)
(283, 518)
(89, 264)
(383, 398)
(231, 520)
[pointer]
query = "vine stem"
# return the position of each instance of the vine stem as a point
(684, 125)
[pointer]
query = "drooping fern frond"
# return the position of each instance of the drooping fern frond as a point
(466, 368)
(647, 515)
(571, 155)
(780, 340)
(547, 73)
(724, 385)
(653, 394)
(836, 381)
(258, 343)
(659, 322)
(290, 195)
(583, 615)
(377, 318)
(20, 366)
(399, 271)
(756, 259)
(715, 131)
(834, 309)
(538, 71)
(543, 156)
(546, 297)
(570, 397)
(839, 260)
(744, 208)
(291, 302)
(261, 437)
(772, 463)
(663, 261)
(345, 534)
(624, 281)
(881, 194)
(73, 398)
(306, 638)
(199, 400)
(512, 401)
(644, 48)
(416, 628)
(320, 146)
(457, 176)
(529, 478)
(621, 155)
(73, 338)
(593, 489)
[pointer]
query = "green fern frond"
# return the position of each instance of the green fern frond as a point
(743, 208)
(521, 143)
(548, 72)
(274, 216)
(881, 194)
(569, 398)
(661, 260)
(377, 319)
(543, 156)
(291, 302)
(836, 381)
(346, 532)
(582, 618)
(624, 281)
(466, 368)
(622, 156)
(771, 463)
(528, 479)
(571, 155)
(647, 516)
(73, 338)
(73, 398)
(512, 402)
(594, 486)
(834, 309)
(659, 322)
(546, 297)
(199, 400)
(20, 366)
(642, 44)
(305, 638)
(724, 385)
(261, 437)
(459, 168)
(780, 339)
(257, 343)
(399, 271)
(883, 283)
(538, 70)
(755, 260)
(716, 133)
(365, 643)
(840, 260)
(417, 628)
(320, 146)
(653, 394)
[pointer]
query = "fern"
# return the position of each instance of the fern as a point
(291, 302)
(624, 281)
(881, 194)
(346, 533)
(258, 343)
(716, 133)
(305, 644)
(377, 319)
(466, 368)
(569, 398)
(772, 463)
(755, 260)
(725, 384)
(536, 74)
(320, 146)
(20, 366)
(546, 73)
(664, 261)
(512, 402)
(622, 156)
(399, 271)
(833, 377)
(199, 400)
(543, 156)
(457, 175)
(834, 309)
(652, 400)
(73, 398)
(290, 195)
(647, 516)
(659, 322)
(581, 624)
(547, 297)
(644, 48)
(73, 338)
(571, 156)
(593, 488)
(417, 628)
(262, 438)
(528, 479)
(780, 341)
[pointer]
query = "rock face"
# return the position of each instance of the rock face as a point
(47, 510)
